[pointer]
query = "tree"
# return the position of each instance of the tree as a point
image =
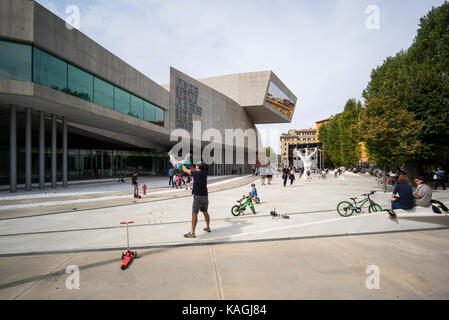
(390, 132)
(418, 79)
(340, 137)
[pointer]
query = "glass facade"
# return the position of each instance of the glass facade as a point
(80, 83)
(279, 100)
(15, 61)
(136, 107)
(49, 71)
(103, 93)
(88, 164)
(121, 100)
(149, 112)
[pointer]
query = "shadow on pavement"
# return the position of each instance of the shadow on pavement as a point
(85, 267)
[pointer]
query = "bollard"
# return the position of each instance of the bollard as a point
(144, 189)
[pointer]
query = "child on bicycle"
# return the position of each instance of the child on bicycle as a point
(253, 193)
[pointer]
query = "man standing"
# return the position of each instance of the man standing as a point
(263, 174)
(200, 196)
(135, 184)
(439, 178)
(170, 177)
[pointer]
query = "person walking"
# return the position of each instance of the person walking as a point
(285, 174)
(170, 176)
(200, 196)
(269, 174)
(263, 174)
(292, 176)
(438, 178)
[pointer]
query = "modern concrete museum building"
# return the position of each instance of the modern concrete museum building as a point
(71, 110)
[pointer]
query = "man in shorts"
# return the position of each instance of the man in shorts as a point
(200, 196)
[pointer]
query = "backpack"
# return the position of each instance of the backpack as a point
(438, 207)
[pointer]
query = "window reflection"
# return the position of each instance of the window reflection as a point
(279, 100)
(15, 61)
(29, 63)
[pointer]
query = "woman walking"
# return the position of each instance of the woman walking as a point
(292, 176)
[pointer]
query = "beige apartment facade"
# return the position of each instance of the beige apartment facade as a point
(295, 137)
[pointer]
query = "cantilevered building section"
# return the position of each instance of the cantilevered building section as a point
(70, 109)
(261, 94)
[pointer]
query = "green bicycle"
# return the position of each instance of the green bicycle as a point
(241, 207)
(346, 209)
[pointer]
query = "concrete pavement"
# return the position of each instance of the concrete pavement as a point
(412, 265)
(316, 254)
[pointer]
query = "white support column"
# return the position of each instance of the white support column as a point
(53, 151)
(64, 152)
(41, 151)
(13, 149)
(28, 173)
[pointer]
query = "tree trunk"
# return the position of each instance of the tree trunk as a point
(413, 169)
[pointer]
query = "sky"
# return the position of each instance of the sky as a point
(322, 50)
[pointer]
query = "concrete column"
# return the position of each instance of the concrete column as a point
(13, 149)
(64, 152)
(53, 151)
(28, 149)
(41, 151)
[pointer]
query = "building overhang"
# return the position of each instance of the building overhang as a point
(40, 98)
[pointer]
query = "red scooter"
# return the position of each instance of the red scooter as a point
(129, 255)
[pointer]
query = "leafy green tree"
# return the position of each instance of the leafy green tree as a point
(390, 132)
(418, 79)
(340, 137)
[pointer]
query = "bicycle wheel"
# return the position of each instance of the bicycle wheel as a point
(258, 200)
(345, 209)
(374, 208)
(236, 211)
(252, 209)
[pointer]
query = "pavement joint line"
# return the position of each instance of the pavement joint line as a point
(207, 243)
(42, 278)
(216, 272)
(124, 204)
(249, 216)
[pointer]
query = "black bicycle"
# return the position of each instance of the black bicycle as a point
(346, 209)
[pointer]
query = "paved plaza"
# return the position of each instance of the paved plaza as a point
(316, 254)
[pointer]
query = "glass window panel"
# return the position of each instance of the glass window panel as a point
(160, 116)
(103, 93)
(15, 61)
(49, 71)
(80, 83)
(136, 107)
(121, 100)
(149, 112)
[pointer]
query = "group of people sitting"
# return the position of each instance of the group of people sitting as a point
(404, 197)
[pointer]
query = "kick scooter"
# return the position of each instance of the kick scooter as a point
(129, 255)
